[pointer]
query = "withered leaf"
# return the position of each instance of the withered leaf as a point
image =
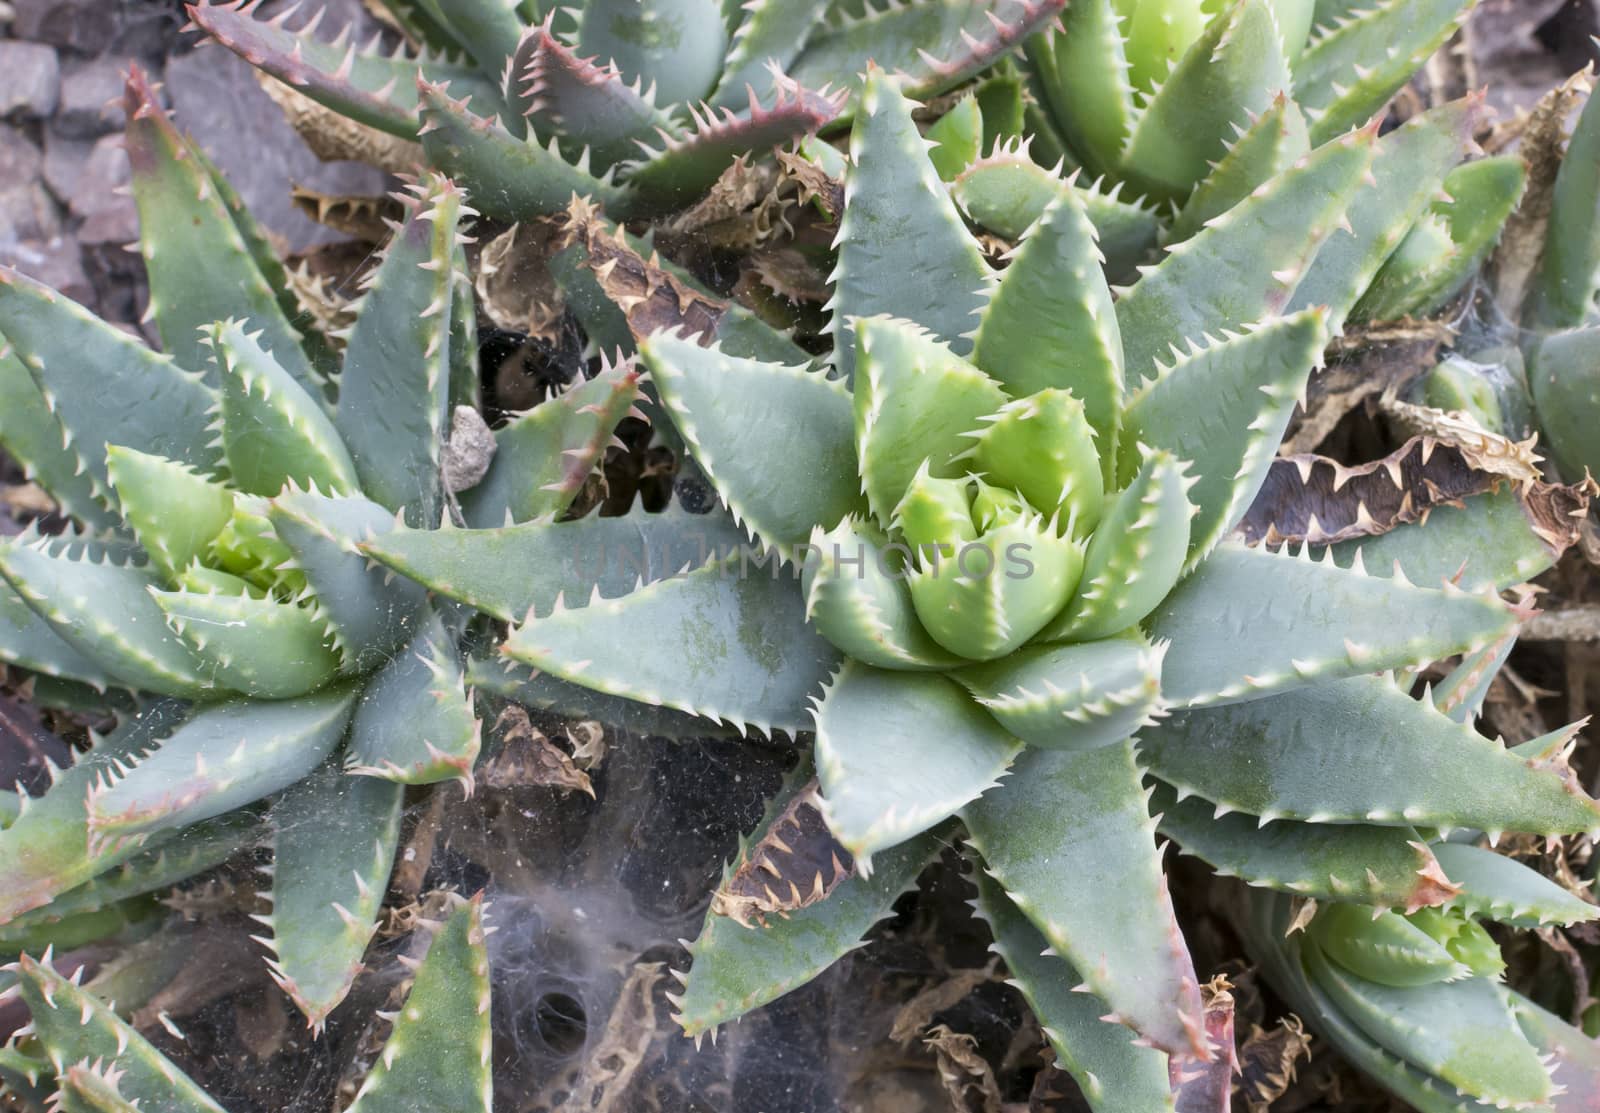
(1206, 1085)
(795, 864)
(813, 182)
(1268, 1062)
(527, 757)
(917, 1013)
(968, 1078)
(514, 285)
(1362, 364)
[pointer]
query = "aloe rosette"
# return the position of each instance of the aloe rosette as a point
(218, 494)
(638, 105)
(1108, 445)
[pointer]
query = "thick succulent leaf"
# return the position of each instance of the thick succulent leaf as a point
(414, 722)
(394, 391)
(260, 647)
(201, 269)
(1410, 162)
(508, 572)
(1227, 75)
(903, 250)
(737, 969)
(333, 846)
(74, 1026)
(771, 35)
(487, 29)
(933, 46)
(1576, 1066)
(1042, 447)
(1362, 751)
(1565, 386)
(957, 138)
(1461, 1031)
(543, 457)
(536, 689)
(1275, 141)
(1569, 271)
(687, 165)
(364, 84)
(1135, 556)
(1379, 866)
(1082, 71)
(102, 385)
(274, 432)
(368, 610)
(437, 1056)
(898, 752)
(674, 46)
(1495, 887)
(723, 643)
(1224, 408)
(173, 511)
(1094, 886)
(777, 443)
(857, 597)
(510, 178)
(225, 756)
(914, 400)
(31, 435)
(1444, 249)
(1245, 266)
(1071, 697)
(105, 612)
(1115, 1074)
(1461, 693)
(1007, 192)
(45, 851)
(1385, 947)
(1347, 72)
(1247, 622)
(1051, 322)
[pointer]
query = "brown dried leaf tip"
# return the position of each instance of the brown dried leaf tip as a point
(527, 757)
(795, 864)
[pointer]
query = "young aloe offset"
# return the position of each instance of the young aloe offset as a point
(991, 553)
(636, 104)
(220, 494)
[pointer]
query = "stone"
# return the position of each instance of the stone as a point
(64, 160)
(91, 97)
(27, 211)
(215, 96)
(109, 216)
(30, 80)
(86, 25)
(57, 262)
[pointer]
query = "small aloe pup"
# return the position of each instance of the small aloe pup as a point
(992, 551)
(637, 104)
(78, 1054)
(218, 494)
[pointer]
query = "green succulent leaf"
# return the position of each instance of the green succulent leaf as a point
(175, 512)
(1125, 942)
(75, 1027)
(776, 442)
(900, 221)
(78, 595)
(102, 385)
(737, 969)
(1247, 623)
(1495, 887)
(1569, 272)
(1245, 265)
(1115, 1074)
(675, 46)
(1134, 558)
(414, 722)
(33, 437)
(1072, 697)
(1564, 378)
(735, 646)
(898, 752)
(532, 688)
(367, 610)
(771, 34)
(273, 431)
(260, 647)
(1378, 866)
(487, 29)
(226, 755)
(1575, 1068)
(1224, 407)
(1229, 73)
(437, 1056)
(1362, 751)
(1043, 448)
(1274, 141)
(201, 267)
(333, 846)
(957, 139)
(1382, 947)
(1083, 73)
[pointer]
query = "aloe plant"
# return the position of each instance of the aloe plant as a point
(639, 106)
(990, 568)
(218, 495)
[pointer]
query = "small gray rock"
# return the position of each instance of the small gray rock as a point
(86, 25)
(64, 160)
(91, 98)
(57, 262)
(30, 80)
(27, 212)
(109, 217)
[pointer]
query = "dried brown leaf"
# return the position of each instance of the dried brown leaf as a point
(336, 138)
(1364, 364)
(1206, 1085)
(527, 757)
(514, 285)
(1268, 1062)
(917, 1013)
(797, 863)
(967, 1077)
(1483, 449)
(813, 182)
